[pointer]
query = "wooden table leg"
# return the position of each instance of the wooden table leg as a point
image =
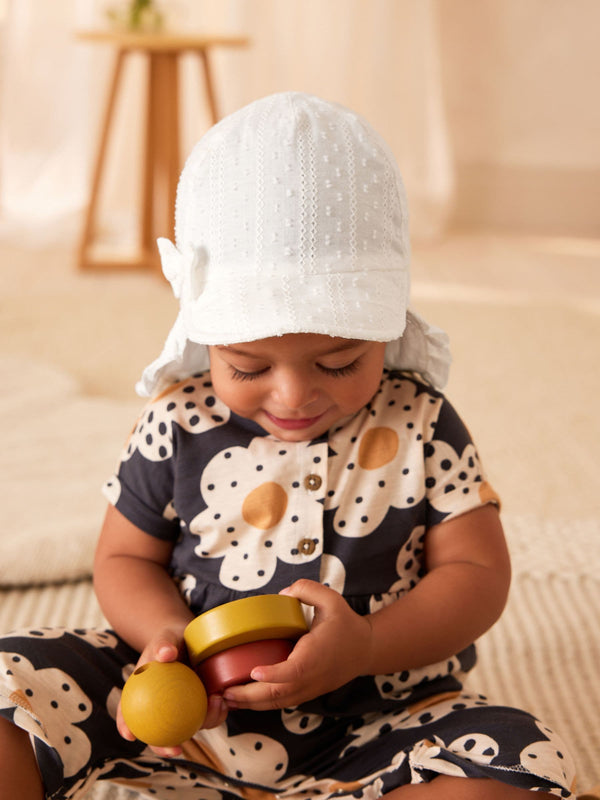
(83, 259)
(162, 158)
(209, 86)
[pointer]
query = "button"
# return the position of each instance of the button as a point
(307, 546)
(312, 482)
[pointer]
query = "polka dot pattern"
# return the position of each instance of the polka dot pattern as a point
(258, 513)
(62, 710)
(190, 404)
(295, 751)
(450, 475)
(383, 466)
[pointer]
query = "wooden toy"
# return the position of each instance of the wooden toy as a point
(164, 703)
(228, 641)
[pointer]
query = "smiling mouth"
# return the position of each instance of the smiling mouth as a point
(293, 424)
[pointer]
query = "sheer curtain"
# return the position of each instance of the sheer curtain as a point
(381, 57)
(48, 110)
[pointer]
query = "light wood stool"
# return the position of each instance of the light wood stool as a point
(161, 165)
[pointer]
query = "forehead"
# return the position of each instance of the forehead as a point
(292, 344)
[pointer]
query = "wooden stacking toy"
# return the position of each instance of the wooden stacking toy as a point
(228, 641)
(165, 703)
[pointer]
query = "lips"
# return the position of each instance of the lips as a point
(293, 424)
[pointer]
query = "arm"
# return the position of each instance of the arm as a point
(141, 601)
(460, 597)
(134, 589)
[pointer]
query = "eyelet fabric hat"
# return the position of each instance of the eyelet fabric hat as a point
(291, 217)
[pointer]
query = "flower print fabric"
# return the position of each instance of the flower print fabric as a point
(249, 514)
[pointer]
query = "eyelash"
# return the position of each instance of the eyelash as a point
(238, 375)
(337, 372)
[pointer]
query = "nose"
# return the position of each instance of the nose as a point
(294, 390)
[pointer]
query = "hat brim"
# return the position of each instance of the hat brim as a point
(422, 348)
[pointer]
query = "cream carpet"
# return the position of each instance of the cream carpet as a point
(524, 320)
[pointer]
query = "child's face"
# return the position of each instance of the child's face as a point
(299, 385)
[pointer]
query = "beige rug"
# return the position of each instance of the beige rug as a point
(58, 448)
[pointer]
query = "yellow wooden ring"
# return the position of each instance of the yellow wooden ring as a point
(250, 619)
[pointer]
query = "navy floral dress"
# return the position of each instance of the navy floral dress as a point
(249, 514)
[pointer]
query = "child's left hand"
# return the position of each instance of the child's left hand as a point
(333, 652)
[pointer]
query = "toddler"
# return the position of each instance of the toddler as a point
(296, 441)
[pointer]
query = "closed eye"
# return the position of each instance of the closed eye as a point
(341, 372)
(239, 375)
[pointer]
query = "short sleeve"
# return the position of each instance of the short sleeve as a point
(148, 478)
(455, 479)
(142, 487)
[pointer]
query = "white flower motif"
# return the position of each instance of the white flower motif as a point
(256, 513)
(112, 490)
(300, 722)
(399, 685)
(191, 404)
(54, 720)
(427, 756)
(451, 476)
(333, 572)
(476, 747)
(549, 758)
(377, 473)
(255, 758)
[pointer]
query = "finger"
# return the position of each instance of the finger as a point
(216, 712)
(282, 672)
(167, 752)
(122, 727)
(167, 651)
(164, 647)
(261, 696)
(311, 593)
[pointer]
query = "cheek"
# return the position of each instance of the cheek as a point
(365, 387)
(239, 396)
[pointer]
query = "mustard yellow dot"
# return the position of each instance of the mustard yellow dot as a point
(19, 698)
(265, 506)
(377, 447)
(487, 494)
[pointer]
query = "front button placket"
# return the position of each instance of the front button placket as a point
(306, 507)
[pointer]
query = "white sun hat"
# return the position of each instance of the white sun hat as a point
(291, 217)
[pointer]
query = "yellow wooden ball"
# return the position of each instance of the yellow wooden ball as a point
(164, 703)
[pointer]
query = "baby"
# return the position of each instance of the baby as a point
(296, 441)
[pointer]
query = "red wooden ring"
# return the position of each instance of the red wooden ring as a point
(233, 667)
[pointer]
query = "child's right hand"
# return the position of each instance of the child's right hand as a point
(166, 646)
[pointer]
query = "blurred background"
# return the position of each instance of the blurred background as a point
(490, 105)
(492, 110)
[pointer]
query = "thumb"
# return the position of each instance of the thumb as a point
(165, 647)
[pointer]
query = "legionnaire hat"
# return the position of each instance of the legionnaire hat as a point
(291, 217)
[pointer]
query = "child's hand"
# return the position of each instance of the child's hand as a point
(166, 646)
(333, 652)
